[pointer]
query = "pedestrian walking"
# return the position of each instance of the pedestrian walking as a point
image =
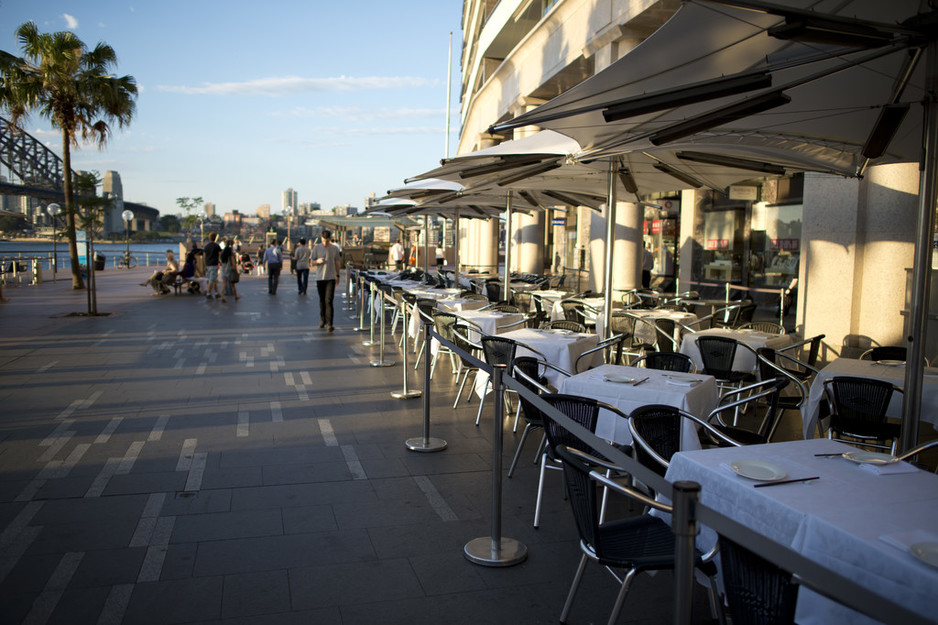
(273, 259)
(229, 271)
(326, 259)
(212, 253)
(301, 256)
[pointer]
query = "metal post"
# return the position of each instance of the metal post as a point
(425, 443)
(361, 305)
(781, 307)
(611, 206)
(684, 525)
(921, 267)
(371, 315)
(409, 394)
(495, 550)
(507, 288)
(381, 362)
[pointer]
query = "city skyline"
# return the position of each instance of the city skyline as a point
(236, 105)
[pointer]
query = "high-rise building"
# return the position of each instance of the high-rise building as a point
(263, 211)
(111, 187)
(209, 208)
(289, 199)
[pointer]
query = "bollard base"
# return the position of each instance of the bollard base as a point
(382, 363)
(406, 394)
(425, 444)
(367, 343)
(481, 551)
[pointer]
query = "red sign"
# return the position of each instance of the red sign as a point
(655, 226)
(718, 244)
(786, 245)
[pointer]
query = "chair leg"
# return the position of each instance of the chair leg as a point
(517, 416)
(573, 588)
(465, 376)
(620, 599)
(524, 437)
(485, 392)
(540, 491)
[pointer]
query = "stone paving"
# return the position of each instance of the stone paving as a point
(180, 460)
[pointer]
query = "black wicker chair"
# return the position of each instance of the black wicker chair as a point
(858, 411)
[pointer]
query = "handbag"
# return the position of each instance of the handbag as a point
(234, 275)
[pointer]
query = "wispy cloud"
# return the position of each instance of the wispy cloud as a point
(70, 21)
(334, 133)
(290, 85)
(358, 114)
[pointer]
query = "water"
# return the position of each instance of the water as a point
(145, 253)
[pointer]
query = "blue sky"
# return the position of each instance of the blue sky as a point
(240, 100)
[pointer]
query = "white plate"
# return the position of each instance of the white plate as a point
(870, 457)
(927, 552)
(891, 363)
(758, 470)
(618, 379)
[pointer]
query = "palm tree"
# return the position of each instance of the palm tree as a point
(72, 88)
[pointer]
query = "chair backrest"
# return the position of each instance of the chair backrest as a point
(656, 435)
(582, 410)
(757, 591)
(572, 310)
(563, 324)
(858, 405)
(769, 327)
(885, 352)
(665, 331)
(507, 308)
(531, 379)
(521, 299)
(443, 323)
(666, 361)
(745, 313)
(498, 350)
(766, 358)
(493, 290)
(621, 323)
(717, 354)
(473, 296)
(815, 349)
(425, 307)
(584, 501)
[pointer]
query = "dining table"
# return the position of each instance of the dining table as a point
(745, 360)
(646, 333)
(886, 370)
(628, 388)
(876, 525)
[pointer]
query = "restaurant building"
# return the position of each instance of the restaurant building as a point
(846, 244)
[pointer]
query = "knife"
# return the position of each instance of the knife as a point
(639, 382)
(803, 479)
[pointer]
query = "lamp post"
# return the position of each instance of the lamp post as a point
(54, 210)
(127, 216)
(288, 211)
(202, 217)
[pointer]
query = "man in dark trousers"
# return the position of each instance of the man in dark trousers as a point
(212, 253)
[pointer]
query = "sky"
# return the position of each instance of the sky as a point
(239, 101)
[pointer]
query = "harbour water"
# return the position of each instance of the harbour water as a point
(146, 254)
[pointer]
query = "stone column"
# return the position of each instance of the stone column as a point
(528, 238)
(627, 249)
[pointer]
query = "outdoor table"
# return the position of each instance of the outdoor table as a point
(491, 321)
(458, 304)
(745, 359)
(596, 303)
(560, 347)
(871, 369)
(548, 297)
(848, 520)
(695, 393)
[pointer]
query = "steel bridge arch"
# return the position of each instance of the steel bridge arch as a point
(36, 165)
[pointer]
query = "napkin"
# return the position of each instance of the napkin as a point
(904, 540)
(682, 382)
(888, 469)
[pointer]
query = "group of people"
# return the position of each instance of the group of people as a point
(219, 260)
(324, 257)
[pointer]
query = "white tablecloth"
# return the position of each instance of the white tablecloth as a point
(837, 520)
(745, 360)
(647, 333)
(458, 304)
(662, 387)
(870, 369)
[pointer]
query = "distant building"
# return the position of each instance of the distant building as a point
(345, 209)
(263, 211)
(111, 187)
(209, 208)
(289, 199)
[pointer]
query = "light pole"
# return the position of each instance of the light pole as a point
(127, 216)
(288, 211)
(54, 210)
(202, 217)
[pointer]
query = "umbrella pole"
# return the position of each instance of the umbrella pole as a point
(507, 289)
(456, 248)
(426, 244)
(921, 268)
(610, 244)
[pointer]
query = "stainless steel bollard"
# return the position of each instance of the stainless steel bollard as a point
(425, 443)
(381, 362)
(410, 394)
(361, 306)
(684, 525)
(371, 315)
(495, 550)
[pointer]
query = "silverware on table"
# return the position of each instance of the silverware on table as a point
(803, 479)
(636, 383)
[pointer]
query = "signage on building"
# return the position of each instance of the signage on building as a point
(558, 221)
(785, 245)
(655, 226)
(739, 192)
(718, 244)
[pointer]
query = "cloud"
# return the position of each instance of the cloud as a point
(320, 134)
(290, 85)
(358, 114)
(70, 21)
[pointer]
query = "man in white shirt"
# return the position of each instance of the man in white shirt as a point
(326, 260)
(397, 255)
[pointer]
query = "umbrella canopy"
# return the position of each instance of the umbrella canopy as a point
(724, 74)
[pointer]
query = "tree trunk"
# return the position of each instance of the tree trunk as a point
(70, 212)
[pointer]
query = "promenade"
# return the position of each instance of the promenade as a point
(180, 460)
